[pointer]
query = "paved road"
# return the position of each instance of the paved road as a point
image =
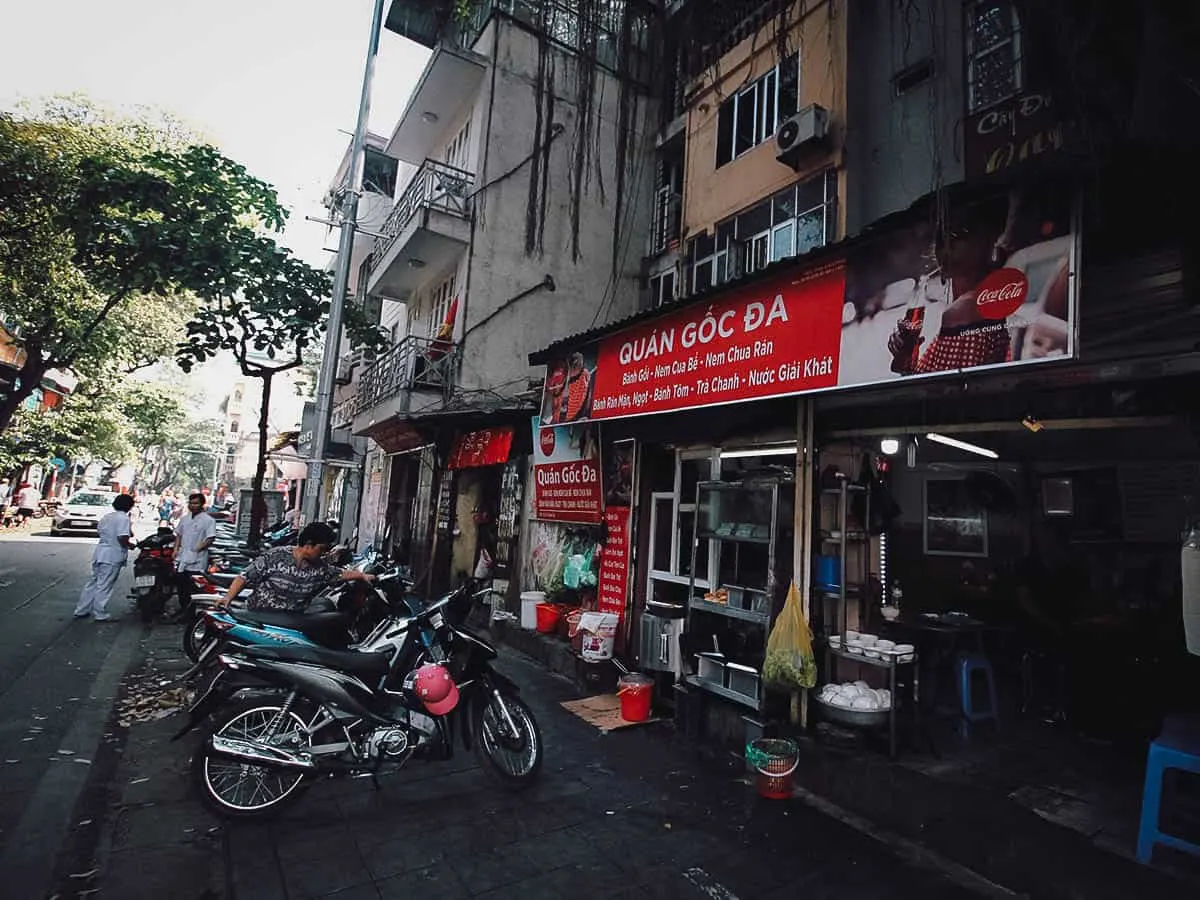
(58, 678)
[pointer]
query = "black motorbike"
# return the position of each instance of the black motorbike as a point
(282, 717)
(154, 573)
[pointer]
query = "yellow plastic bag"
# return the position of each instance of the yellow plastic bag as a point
(790, 664)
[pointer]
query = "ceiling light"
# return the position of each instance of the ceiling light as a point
(415, 263)
(429, 116)
(779, 450)
(889, 446)
(962, 445)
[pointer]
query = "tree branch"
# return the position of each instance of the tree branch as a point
(109, 305)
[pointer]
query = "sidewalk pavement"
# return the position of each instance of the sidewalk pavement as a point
(629, 814)
(633, 813)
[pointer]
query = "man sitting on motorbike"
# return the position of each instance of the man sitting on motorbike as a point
(287, 578)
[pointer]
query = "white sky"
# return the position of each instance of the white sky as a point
(269, 82)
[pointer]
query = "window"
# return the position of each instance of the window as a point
(796, 220)
(752, 115)
(439, 305)
(456, 150)
(993, 53)
(662, 288)
(233, 426)
(379, 173)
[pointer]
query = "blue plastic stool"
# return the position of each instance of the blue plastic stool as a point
(1178, 747)
(969, 665)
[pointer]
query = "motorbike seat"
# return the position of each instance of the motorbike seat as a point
(348, 661)
(305, 623)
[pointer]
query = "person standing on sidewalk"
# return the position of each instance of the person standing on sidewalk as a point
(28, 499)
(193, 536)
(112, 550)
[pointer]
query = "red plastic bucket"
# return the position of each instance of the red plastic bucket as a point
(547, 618)
(775, 764)
(635, 692)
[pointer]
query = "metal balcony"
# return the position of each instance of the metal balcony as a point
(427, 228)
(416, 365)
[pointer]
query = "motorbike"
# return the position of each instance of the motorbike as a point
(280, 717)
(154, 573)
(342, 614)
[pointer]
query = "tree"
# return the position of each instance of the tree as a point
(100, 217)
(270, 325)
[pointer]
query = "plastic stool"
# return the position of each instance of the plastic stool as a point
(970, 664)
(1178, 747)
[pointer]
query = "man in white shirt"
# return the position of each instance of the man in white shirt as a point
(194, 534)
(112, 550)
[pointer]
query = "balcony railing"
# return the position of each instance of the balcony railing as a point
(413, 364)
(343, 413)
(434, 186)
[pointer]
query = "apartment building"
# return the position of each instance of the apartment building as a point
(524, 214)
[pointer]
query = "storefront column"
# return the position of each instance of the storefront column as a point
(802, 520)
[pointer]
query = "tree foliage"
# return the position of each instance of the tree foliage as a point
(101, 217)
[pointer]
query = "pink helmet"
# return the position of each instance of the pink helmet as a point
(436, 689)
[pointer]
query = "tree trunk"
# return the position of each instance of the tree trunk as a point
(29, 378)
(258, 506)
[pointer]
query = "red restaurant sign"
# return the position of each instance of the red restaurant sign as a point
(489, 447)
(750, 345)
(566, 474)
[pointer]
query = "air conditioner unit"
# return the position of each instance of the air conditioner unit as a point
(806, 129)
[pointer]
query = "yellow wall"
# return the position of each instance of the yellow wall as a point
(711, 195)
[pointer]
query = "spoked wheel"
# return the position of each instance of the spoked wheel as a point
(508, 742)
(236, 788)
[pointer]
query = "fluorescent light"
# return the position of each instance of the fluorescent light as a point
(962, 445)
(889, 446)
(785, 450)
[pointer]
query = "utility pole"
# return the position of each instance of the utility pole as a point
(341, 280)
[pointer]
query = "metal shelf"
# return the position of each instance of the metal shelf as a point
(724, 609)
(730, 538)
(724, 692)
(879, 663)
(852, 488)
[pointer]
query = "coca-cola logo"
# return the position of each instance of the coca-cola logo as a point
(546, 439)
(1001, 293)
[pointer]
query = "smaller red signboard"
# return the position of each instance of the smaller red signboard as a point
(614, 561)
(566, 475)
(488, 447)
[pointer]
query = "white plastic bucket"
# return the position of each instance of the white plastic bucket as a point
(529, 602)
(599, 631)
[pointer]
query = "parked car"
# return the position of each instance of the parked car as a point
(82, 511)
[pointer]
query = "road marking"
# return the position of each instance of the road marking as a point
(25, 603)
(708, 885)
(910, 851)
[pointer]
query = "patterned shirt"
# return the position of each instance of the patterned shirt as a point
(967, 346)
(280, 583)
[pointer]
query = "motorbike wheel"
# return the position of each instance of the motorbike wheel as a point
(195, 637)
(148, 604)
(513, 759)
(237, 789)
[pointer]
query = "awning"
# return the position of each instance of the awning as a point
(486, 447)
(291, 466)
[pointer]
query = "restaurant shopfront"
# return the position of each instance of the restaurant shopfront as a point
(786, 431)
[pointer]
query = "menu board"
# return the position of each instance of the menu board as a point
(614, 561)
